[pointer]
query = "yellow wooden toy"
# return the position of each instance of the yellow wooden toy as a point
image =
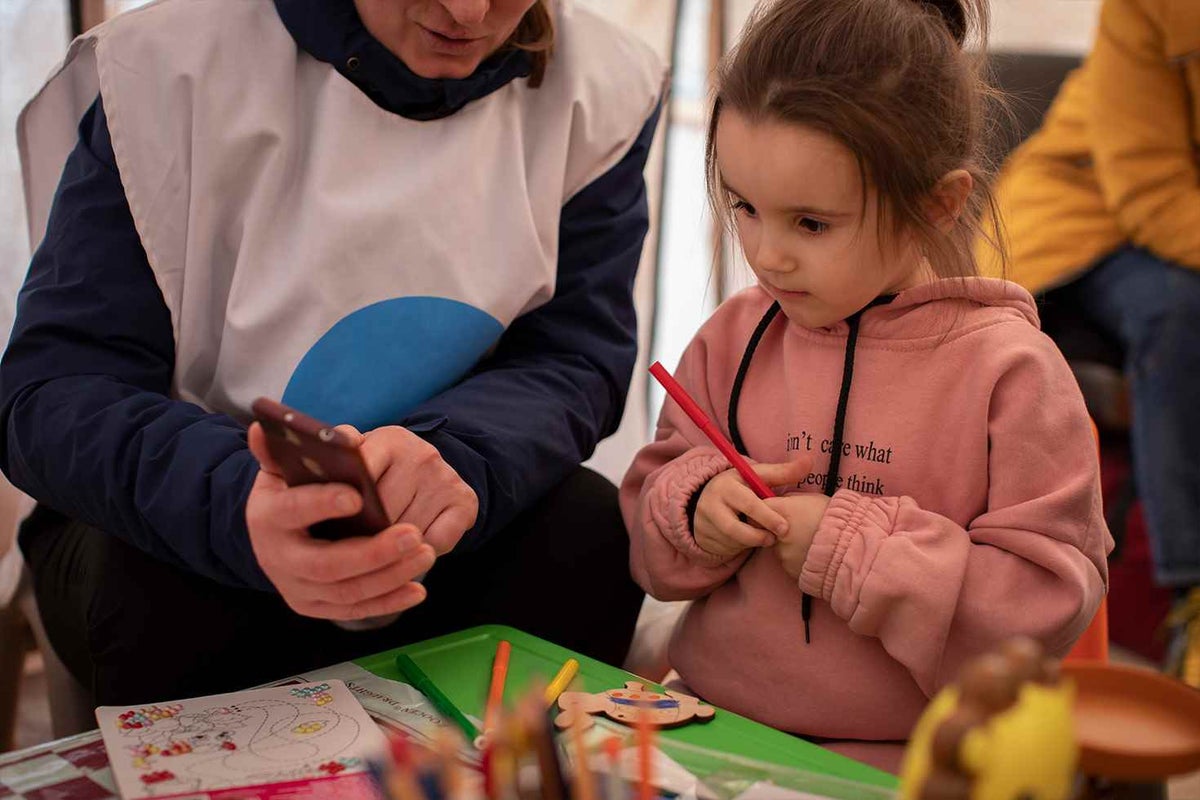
(1004, 733)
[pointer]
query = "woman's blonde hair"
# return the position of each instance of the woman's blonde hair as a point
(891, 80)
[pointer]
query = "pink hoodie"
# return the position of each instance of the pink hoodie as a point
(968, 507)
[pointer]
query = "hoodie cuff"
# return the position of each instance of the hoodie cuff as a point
(668, 502)
(847, 518)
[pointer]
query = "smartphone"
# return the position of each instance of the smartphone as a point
(309, 451)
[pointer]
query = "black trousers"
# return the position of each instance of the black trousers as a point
(133, 629)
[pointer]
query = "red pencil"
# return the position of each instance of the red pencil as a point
(680, 396)
(702, 421)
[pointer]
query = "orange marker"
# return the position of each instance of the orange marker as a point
(495, 700)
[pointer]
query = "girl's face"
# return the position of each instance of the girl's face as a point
(442, 38)
(796, 195)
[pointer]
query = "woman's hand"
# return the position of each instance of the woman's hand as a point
(349, 579)
(731, 518)
(803, 513)
(418, 487)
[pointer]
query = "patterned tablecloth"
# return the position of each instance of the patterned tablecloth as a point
(75, 768)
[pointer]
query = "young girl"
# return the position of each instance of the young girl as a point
(938, 480)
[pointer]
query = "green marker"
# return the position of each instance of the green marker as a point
(415, 676)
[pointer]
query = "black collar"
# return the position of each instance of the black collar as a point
(331, 31)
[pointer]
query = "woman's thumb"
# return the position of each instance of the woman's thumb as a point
(354, 434)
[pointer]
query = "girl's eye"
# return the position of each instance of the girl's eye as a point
(743, 207)
(813, 225)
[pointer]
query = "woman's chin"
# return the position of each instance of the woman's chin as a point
(436, 66)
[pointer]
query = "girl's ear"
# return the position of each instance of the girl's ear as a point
(949, 198)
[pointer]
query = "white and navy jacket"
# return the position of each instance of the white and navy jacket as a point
(263, 200)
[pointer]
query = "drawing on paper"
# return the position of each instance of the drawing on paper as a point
(243, 739)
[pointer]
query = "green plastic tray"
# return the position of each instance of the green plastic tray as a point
(461, 666)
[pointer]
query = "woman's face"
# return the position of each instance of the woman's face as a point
(442, 38)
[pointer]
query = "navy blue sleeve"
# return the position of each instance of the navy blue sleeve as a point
(556, 384)
(88, 427)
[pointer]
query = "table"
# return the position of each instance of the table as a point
(76, 768)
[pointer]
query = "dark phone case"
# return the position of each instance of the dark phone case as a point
(309, 451)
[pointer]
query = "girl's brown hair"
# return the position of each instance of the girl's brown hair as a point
(535, 35)
(894, 82)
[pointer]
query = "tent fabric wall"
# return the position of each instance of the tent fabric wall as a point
(33, 37)
(654, 22)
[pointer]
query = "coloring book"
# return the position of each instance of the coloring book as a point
(309, 741)
(396, 707)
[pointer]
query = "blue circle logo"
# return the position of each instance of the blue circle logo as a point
(379, 363)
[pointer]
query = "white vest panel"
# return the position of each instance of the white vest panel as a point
(310, 245)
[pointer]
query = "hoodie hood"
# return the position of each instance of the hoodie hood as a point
(991, 292)
(933, 310)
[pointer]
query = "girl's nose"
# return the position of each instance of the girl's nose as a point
(467, 12)
(772, 256)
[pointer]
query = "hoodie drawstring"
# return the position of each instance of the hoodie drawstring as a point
(839, 420)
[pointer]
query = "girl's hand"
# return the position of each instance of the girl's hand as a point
(719, 530)
(803, 513)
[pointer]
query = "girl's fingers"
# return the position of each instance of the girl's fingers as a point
(742, 533)
(743, 500)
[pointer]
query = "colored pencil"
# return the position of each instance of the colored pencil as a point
(680, 396)
(402, 783)
(446, 747)
(752, 479)
(585, 787)
(645, 742)
(615, 785)
(539, 729)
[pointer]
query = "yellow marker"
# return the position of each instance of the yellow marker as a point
(561, 681)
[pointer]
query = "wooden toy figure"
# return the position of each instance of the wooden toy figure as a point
(625, 705)
(1005, 732)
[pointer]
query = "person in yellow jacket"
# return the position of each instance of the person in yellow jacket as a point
(1101, 207)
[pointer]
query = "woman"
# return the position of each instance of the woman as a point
(421, 218)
